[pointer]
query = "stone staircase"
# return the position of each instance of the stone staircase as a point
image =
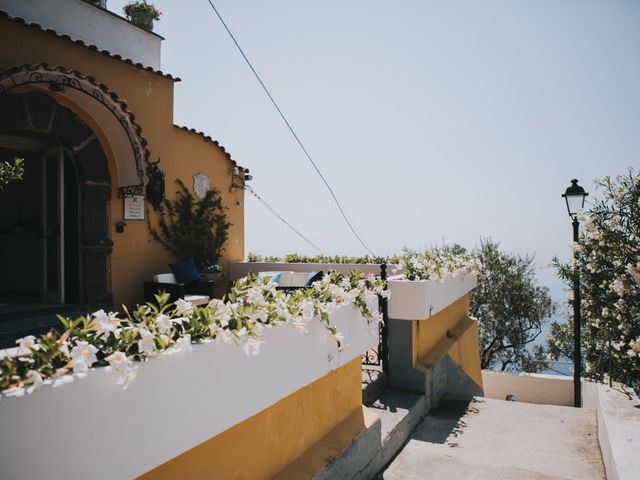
(498, 440)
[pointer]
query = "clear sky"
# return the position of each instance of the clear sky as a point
(432, 120)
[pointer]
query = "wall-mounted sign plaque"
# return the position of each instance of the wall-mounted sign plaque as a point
(134, 207)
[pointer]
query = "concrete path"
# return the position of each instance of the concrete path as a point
(496, 440)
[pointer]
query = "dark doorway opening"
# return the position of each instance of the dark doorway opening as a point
(39, 241)
(54, 223)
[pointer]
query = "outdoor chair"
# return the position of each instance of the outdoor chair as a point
(198, 292)
(289, 282)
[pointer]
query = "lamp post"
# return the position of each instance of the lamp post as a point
(574, 196)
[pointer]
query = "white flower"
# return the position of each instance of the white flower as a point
(282, 312)
(118, 361)
(308, 310)
(35, 379)
(634, 271)
(339, 337)
(184, 343)
(251, 346)
(123, 366)
(258, 316)
(223, 311)
(183, 307)
(330, 307)
(164, 323)
(83, 355)
(125, 377)
(26, 344)
(225, 335)
(397, 268)
(371, 300)
(257, 329)
(350, 297)
(106, 322)
(147, 343)
(255, 297)
(618, 287)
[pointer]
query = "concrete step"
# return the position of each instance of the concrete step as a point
(374, 382)
(494, 439)
(396, 413)
(400, 413)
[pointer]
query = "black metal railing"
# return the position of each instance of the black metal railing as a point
(378, 358)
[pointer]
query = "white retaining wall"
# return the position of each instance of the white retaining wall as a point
(529, 388)
(420, 299)
(92, 428)
(618, 411)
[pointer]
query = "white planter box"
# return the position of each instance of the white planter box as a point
(92, 428)
(241, 269)
(420, 299)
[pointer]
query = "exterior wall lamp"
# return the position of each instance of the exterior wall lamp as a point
(574, 196)
(237, 180)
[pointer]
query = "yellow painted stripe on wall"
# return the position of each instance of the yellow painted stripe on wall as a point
(430, 332)
(266, 443)
(431, 341)
(466, 353)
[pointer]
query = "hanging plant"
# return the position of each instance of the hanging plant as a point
(193, 228)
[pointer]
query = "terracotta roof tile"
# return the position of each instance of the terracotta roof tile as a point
(89, 46)
(215, 142)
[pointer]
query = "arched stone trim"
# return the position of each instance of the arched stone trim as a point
(39, 112)
(103, 105)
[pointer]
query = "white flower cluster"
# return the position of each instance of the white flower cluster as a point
(436, 265)
(253, 304)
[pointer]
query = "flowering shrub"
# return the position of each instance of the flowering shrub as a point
(297, 258)
(132, 8)
(11, 171)
(608, 259)
(437, 263)
(109, 340)
(425, 265)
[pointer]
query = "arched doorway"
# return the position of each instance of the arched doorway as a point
(54, 224)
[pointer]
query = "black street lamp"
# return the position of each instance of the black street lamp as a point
(574, 196)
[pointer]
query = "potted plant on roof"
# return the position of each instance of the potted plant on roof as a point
(142, 14)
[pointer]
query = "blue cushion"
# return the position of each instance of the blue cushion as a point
(272, 276)
(313, 277)
(185, 271)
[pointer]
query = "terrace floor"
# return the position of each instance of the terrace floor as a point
(498, 440)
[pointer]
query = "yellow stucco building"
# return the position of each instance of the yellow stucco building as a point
(83, 101)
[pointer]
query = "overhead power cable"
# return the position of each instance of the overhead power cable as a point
(284, 119)
(247, 187)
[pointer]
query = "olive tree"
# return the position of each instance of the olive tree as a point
(511, 308)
